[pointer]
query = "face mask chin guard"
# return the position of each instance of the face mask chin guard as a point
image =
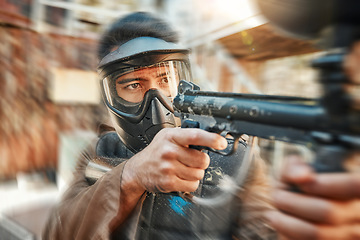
(138, 122)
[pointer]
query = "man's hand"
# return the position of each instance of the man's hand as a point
(328, 208)
(168, 164)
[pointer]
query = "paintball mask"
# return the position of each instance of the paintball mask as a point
(139, 81)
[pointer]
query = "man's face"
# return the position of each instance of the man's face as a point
(132, 86)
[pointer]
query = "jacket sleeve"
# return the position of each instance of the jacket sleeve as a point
(254, 200)
(86, 211)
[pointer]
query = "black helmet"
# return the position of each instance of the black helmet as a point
(139, 81)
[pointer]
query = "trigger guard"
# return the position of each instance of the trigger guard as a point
(234, 147)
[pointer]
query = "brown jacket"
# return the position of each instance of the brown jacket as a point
(89, 211)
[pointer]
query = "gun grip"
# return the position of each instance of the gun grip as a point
(192, 124)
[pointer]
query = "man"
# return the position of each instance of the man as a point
(140, 68)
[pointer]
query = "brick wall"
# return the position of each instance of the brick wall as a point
(30, 121)
(18, 12)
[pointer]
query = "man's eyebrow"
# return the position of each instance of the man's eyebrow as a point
(162, 74)
(127, 80)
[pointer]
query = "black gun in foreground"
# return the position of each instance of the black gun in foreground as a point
(329, 125)
(290, 119)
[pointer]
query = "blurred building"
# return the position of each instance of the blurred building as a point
(37, 103)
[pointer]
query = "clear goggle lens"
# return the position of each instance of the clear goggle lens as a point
(132, 84)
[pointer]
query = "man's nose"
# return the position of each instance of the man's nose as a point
(152, 85)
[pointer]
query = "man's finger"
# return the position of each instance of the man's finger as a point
(290, 227)
(317, 209)
(189, 173)
(193, 136)
(194, 158)
(334, 185)
(296, 229)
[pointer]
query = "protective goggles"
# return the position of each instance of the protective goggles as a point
(140, 70)
(129, 91)
(130, 85)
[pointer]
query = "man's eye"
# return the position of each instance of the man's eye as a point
(133, 86)
(165, 80)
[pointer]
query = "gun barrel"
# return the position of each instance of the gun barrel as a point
(277, 113)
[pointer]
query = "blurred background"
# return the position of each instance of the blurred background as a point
(50, 106)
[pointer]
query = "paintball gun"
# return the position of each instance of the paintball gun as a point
(330, 125)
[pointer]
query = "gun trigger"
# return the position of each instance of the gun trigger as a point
(216, 129)
(234, 147)
(224, 133)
